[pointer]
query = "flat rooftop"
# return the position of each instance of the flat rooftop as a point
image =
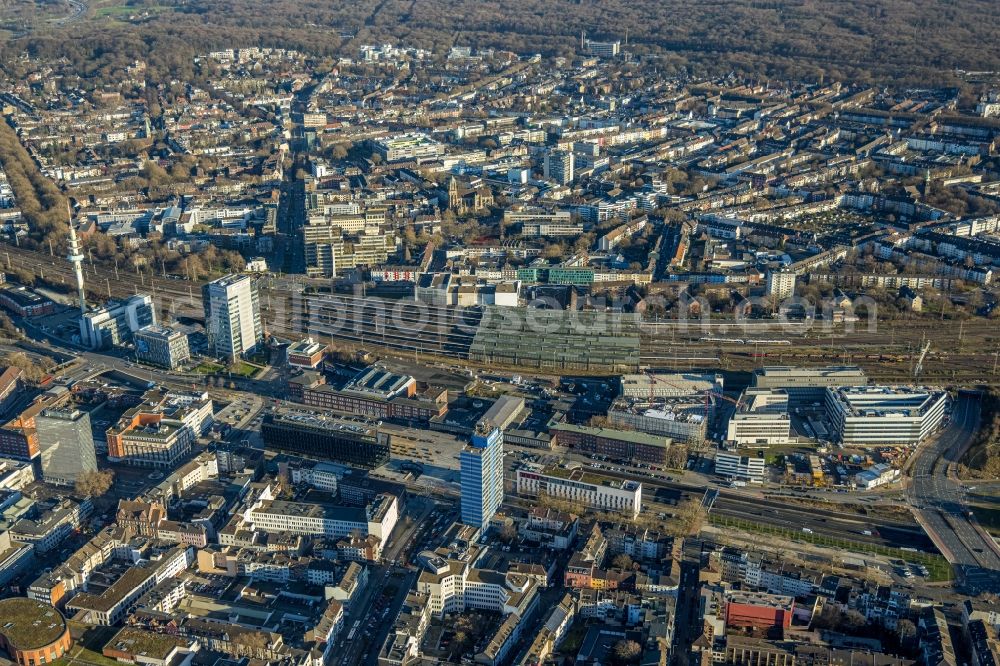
(112, 596)
(317, 422)
(675, 384)
(146, 643)
(763, 400)
(686, 409)
(582, 475)
(306, 347)
(885, 400)
(632, 436)
(378, 382)
(28, 624)
(773, 372)
(228, 280)
(353, 514)
(158, 331)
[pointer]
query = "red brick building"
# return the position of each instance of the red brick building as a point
(758, 610)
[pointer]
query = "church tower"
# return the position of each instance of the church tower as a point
(454, 199)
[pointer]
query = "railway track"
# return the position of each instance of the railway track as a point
(373, 323)
(827, 522)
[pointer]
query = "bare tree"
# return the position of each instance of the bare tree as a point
(622, 561)
(94, 484)
(626, 651)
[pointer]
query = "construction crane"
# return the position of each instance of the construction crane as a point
(725, 397)
(657, 379)
(920, 360)
(717, 394)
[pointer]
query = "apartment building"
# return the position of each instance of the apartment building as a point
(329, 251)
(780, 284)
(559, 166)
(108, 607)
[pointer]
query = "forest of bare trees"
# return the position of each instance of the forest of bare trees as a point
(890, 40)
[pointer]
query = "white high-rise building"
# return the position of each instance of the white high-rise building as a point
(482, 475)
(115, 322)
(232, 315)
(780, 284)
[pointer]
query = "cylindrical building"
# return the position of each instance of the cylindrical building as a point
(32, 632)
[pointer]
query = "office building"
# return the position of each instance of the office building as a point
(162, 346)
(411, 146)
(375, 519)
(232, 316)
(550, 229)
(537, 216)
(48, 528)
(760, 419)
(602, 49)
(750, 469)
(305, 353)
(374, 393)
(25, 302)
(558, 166)
(650, 385)
(780, 284)
(160, 431)
(582, 487)
(681, 419)
(622, 445)
(66, 445)
(327, 439)
(482, 475)
(453, 580)
(675, 405)
(874, 415)
(115, 322)
(807, 385)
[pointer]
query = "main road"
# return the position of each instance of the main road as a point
(938, 501)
